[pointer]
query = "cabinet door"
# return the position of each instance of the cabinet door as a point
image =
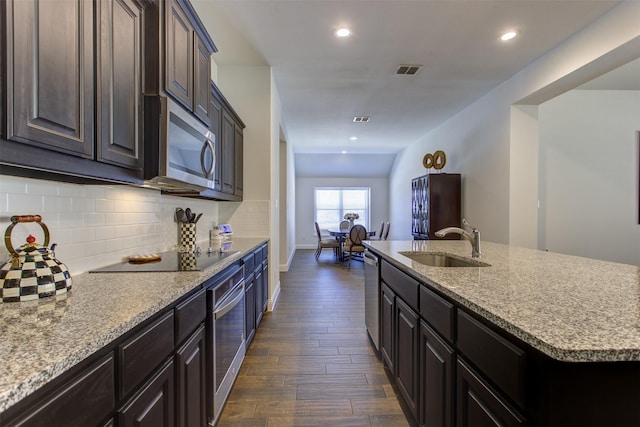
(437, 364)
(202, 81)
(191, 386)
(259, 293)
(238, 159)
(479, 406)
(419, 210)
(179, 55)
(154, 405)
(265, 285)
(215, 128)
(250, 307)
(444, 203)
(228, 153)
(118, 108)
(50, 79)
(407, 352)
(387, 330)
(86, 400)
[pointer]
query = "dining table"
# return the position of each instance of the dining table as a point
(341, 235)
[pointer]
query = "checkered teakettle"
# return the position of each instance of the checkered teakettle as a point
(33, 271)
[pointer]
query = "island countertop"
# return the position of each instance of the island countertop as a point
(42, 339)
(570, 308)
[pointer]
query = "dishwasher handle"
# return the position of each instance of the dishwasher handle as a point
(370, 259)
(229, 302)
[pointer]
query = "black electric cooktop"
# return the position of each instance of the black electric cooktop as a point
(170, 261)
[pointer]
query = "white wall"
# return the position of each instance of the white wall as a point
(287, 206)
(589, 174)
(305, 230)
(98, 225)
(252, 92)
(479, 141)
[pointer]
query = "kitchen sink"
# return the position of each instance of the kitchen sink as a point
(441, 259)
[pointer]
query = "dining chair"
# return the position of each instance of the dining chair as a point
(386, 232)
(331, 243)
(380, 233)
(354, 243)
(344, 225)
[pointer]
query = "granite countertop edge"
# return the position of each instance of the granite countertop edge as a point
(33, 373)
(561, 348)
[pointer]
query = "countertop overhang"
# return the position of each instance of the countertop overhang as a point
(570, 308)
(43, 339)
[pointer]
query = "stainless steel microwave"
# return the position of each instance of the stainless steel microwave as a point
(179, 150)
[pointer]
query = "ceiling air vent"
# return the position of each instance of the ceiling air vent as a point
(361, 119)
(408, 70)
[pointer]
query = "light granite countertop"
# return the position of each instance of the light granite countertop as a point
(570, 308)
(42, 339)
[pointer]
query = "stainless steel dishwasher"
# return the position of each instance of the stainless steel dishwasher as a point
(372, 296)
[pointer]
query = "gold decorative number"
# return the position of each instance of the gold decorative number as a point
(439, 159)
(427, 161)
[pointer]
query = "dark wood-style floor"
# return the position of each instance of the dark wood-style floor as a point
(311, 362)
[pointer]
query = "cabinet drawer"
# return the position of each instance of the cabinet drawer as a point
(502, 362)
(265, 252)
(249, 263)
(438, 312)
(83, 401)
(257, 257)
(403, 285)
(190, 314)
(143, 353)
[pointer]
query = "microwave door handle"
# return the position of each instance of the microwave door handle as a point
(208, 145)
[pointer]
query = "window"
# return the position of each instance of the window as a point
(332, 203)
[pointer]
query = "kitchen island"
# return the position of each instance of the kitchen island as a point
(42, 340)
(535, 338)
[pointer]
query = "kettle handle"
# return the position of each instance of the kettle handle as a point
(16, 219)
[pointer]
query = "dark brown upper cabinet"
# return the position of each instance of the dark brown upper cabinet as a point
(188, 59)
(118, 107)
(50, 84)
(228, 128)
(238, 143)
(73, 86)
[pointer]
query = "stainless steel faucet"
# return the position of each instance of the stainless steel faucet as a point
(473, 237)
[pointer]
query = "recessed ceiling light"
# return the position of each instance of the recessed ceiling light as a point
(343, 32)
(354, 138)
(508, 35)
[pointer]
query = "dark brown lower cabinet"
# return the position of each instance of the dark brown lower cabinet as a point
(437, 367)
(259, 285)
(265, 285)
(250, 307)
(191, 384)
(478, 405)
(406, 345)
(473, 373)
(387, 330)
(85, 400)
(154, 404)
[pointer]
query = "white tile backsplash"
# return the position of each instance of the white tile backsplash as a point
(248, 219)
(98, 225)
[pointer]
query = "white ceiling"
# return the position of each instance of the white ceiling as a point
(323, 81)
